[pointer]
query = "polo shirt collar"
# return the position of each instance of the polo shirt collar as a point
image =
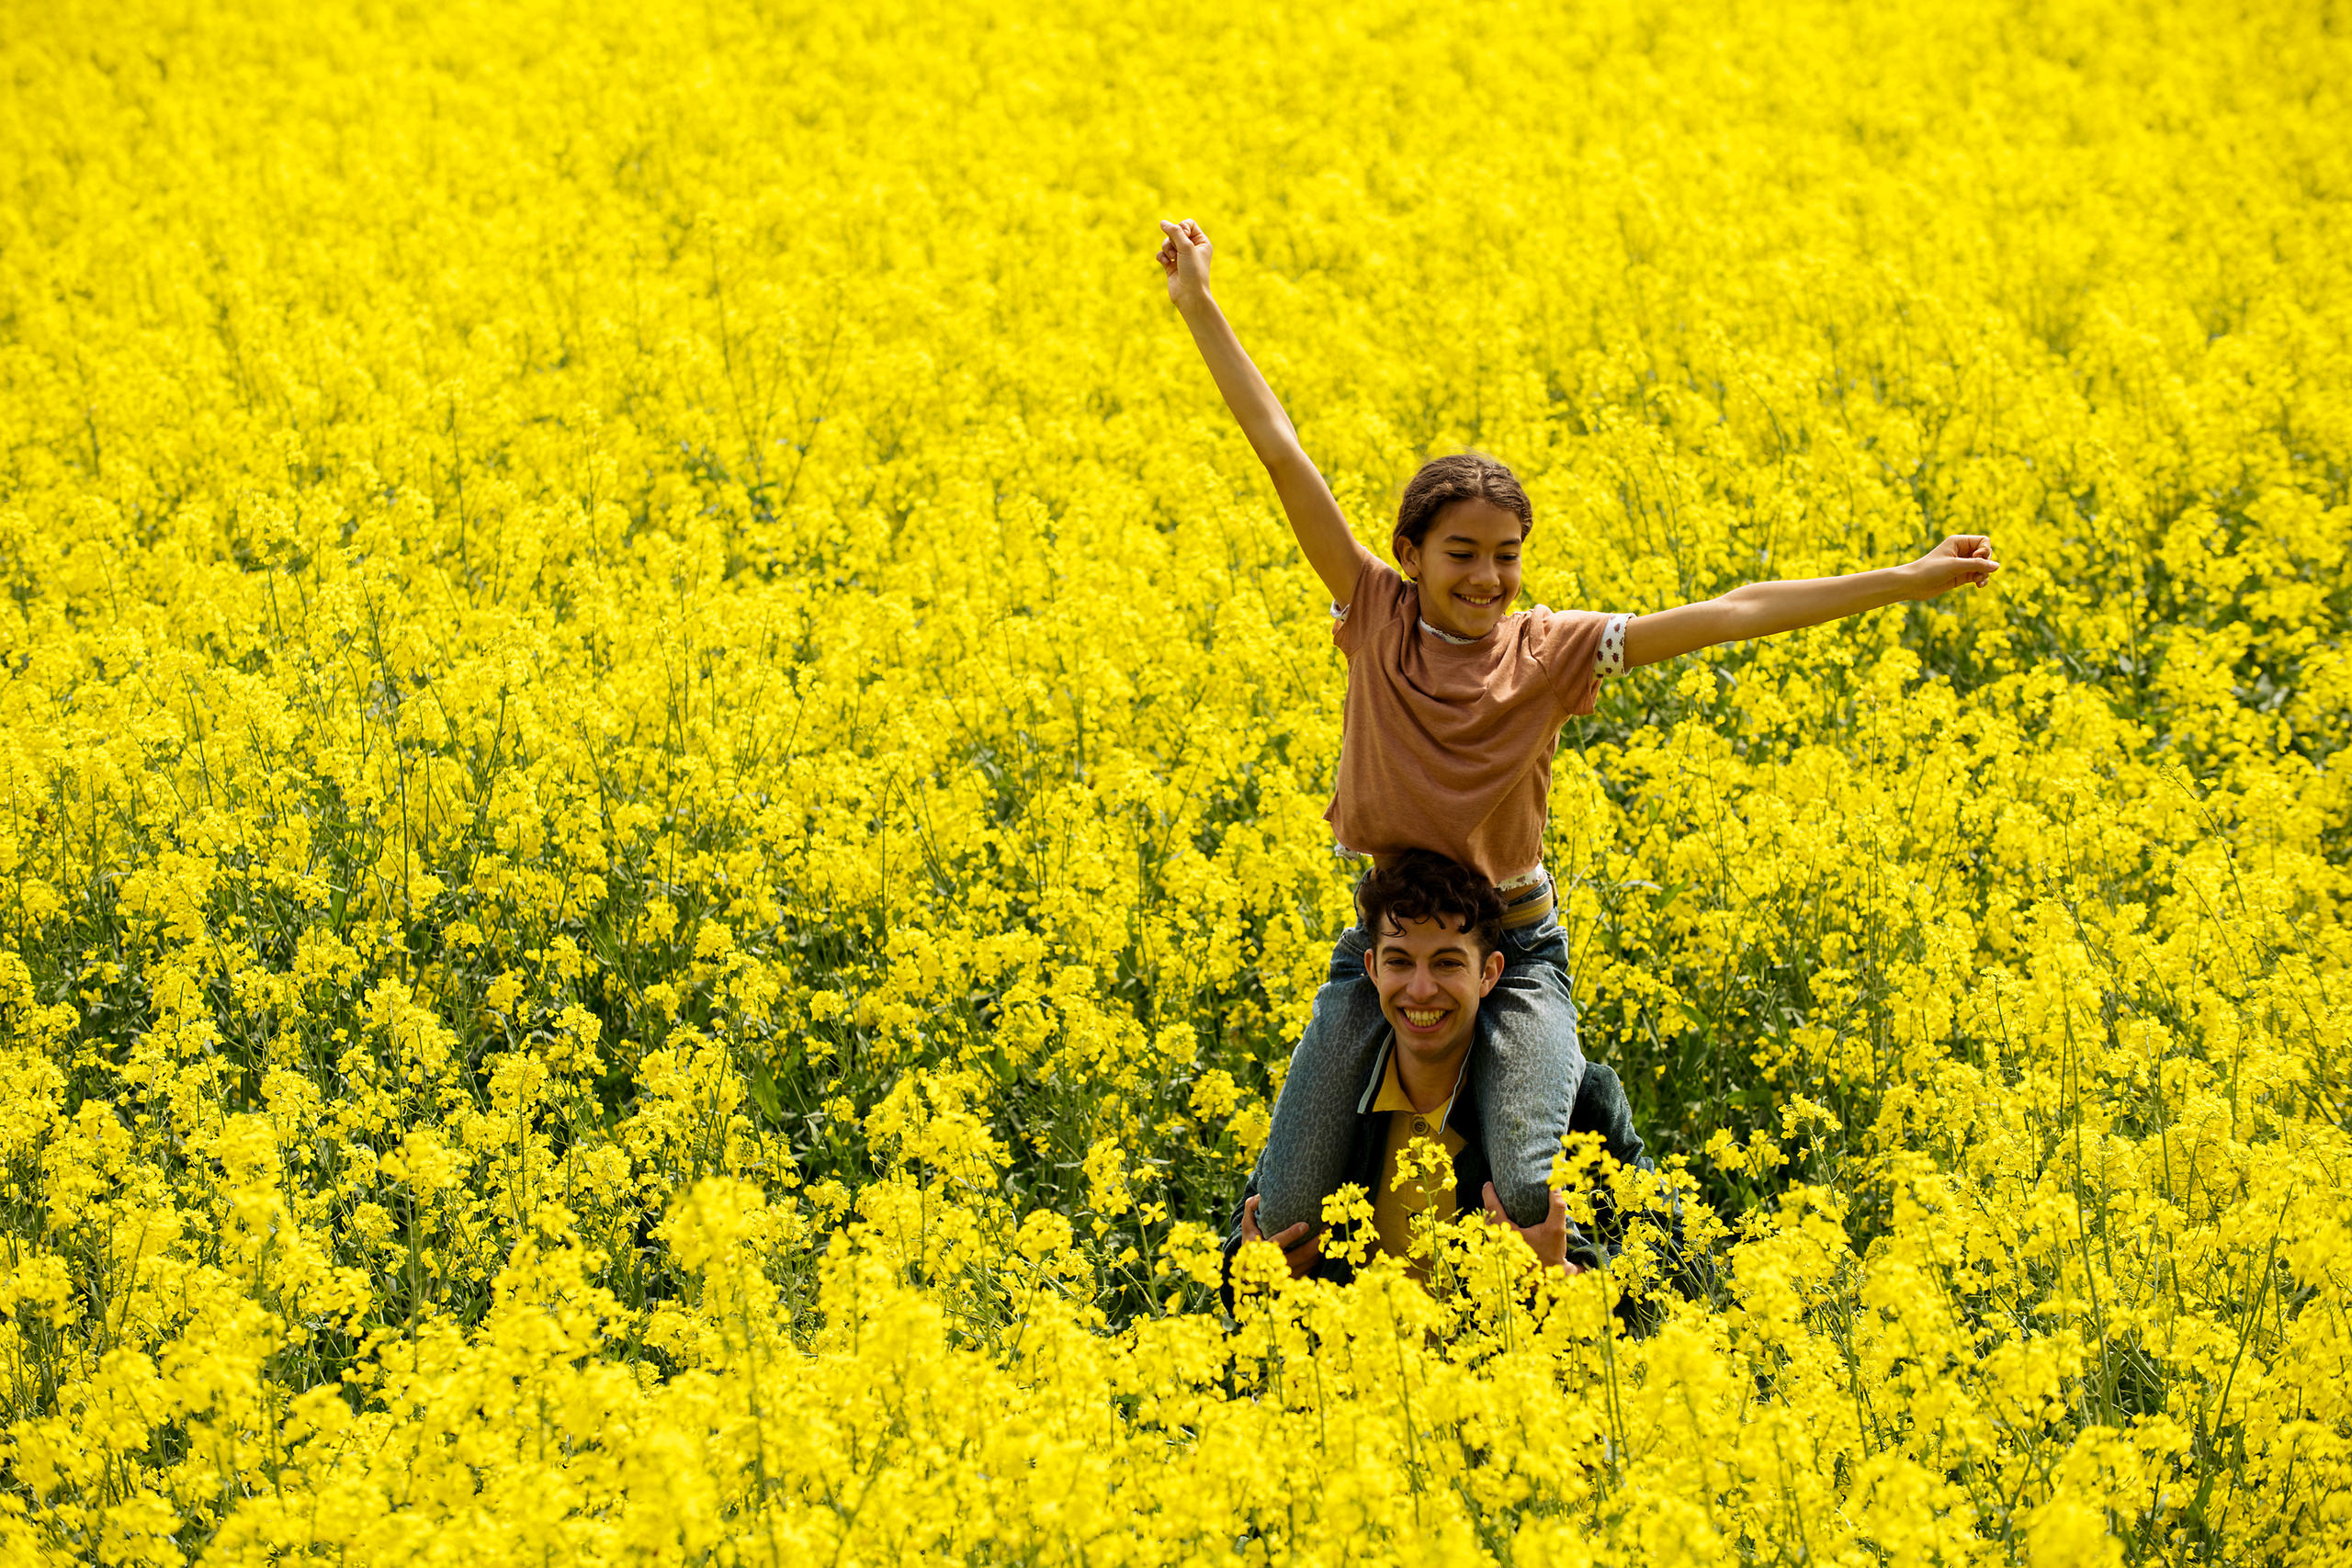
(1385, 1088)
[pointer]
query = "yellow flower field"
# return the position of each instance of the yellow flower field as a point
(663, 765)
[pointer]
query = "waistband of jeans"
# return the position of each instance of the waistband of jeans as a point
(1527, 897)
(1528, 903)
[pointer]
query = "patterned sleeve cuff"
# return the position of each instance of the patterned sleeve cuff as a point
(1611, 659)
(1338, 612)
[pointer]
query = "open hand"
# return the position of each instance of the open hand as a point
(1964, 557)
(1185, 256)
(1300, 1251)
(1549, 1237)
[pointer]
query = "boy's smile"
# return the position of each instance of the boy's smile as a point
(1431, 975)
(1466, 567)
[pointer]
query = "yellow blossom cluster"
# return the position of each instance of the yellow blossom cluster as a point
(661, 767)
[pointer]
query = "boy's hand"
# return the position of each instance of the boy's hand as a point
(1549, 1238)
(1185, 256)
(1964, 557)
(1301, 1251)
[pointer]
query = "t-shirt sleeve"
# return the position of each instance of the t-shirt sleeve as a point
(1610, 661)
(1373, 604)
(1567, 643)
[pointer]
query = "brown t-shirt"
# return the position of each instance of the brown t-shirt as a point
(1448, 746)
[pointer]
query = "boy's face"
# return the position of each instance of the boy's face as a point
(1467, 566)
(1430, 977)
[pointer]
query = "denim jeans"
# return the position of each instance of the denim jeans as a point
(1525, 1056)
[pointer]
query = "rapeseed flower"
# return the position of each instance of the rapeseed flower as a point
(663, 833)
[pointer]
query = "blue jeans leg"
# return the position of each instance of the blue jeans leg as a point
(1306, 1157)
(1529, 1064)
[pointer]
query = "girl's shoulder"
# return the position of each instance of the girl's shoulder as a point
(1576, 649)
(1379, 580)
(1542, 624)
(1382, 597)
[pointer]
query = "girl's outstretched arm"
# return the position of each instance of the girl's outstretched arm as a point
(1759, 609)
(1315, 517)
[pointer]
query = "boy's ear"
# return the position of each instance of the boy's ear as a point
(1493, 971)
(1407, 554)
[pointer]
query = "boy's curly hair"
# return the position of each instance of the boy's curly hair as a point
(1421, 885)
(1465, 476)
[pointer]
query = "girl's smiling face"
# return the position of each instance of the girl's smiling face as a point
(1467, 566)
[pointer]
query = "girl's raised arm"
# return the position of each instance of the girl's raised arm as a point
(1315, 517)
(1759, 609)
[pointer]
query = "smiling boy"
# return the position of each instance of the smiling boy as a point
(1435, 955)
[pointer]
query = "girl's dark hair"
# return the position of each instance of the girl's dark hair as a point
(1465, 476)
(1421, 885)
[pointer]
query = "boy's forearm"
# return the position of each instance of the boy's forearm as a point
(1254, 405)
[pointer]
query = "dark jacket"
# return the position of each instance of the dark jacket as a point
(1601, 1107)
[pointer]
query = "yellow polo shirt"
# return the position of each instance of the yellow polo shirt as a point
(1393, 1211)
